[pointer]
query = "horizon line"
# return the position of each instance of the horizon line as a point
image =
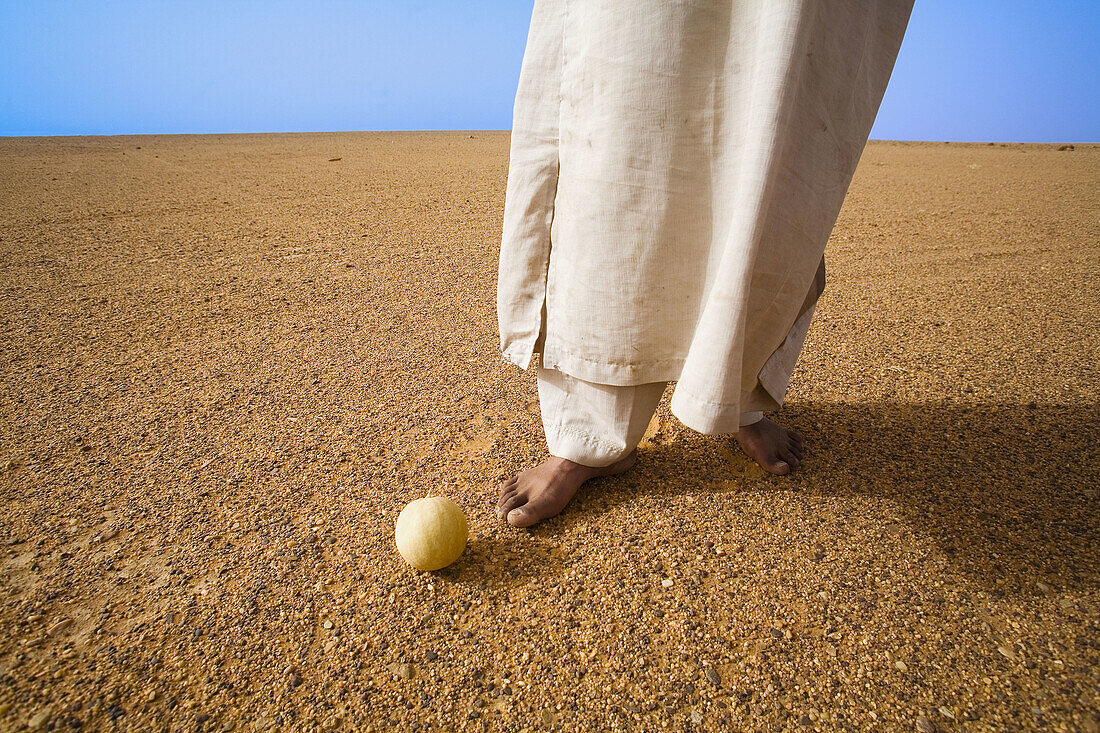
(507, 130)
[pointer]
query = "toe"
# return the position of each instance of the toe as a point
(514, 501)
(790, 458)
(522, 517)
(795, 436)
(505, 495)
(777, 467)
(796, 450)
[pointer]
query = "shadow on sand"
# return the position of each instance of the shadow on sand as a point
(1000, 489)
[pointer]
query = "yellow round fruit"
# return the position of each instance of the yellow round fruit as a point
(431, 533)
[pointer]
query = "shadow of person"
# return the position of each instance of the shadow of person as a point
(1007, 492)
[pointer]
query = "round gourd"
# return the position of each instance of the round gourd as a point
(431, 533)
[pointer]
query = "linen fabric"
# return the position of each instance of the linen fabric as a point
(594, 424)
(598, 424)
(675, 171)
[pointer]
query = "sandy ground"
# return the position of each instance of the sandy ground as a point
(229, 361)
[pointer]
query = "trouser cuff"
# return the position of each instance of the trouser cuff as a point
(748, 418)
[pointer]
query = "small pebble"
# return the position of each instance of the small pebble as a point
(924, 725)
(39, 719)
(59, 626)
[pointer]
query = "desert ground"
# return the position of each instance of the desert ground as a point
(230, 360)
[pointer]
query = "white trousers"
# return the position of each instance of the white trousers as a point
(597, 424)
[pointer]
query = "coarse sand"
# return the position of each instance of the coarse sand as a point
(230, 360)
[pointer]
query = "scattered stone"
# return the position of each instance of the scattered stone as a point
(39, 719)
(431, 656)
(901, 666)
(328, 625)
(59, 626)
(946, 712)
(1007, 652)
(667, 582)
(924, 725)
(713, 677)
(403, 671)
(805, 721)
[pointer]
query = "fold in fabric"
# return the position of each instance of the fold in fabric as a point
(676, 169)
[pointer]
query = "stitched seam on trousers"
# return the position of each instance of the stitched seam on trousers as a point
(586, 438)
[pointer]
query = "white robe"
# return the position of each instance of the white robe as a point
(675, 171)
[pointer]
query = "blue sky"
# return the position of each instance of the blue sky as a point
(969, 70)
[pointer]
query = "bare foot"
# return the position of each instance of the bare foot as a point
(543, 491)
(775, 448)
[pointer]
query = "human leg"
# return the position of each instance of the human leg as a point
(591, 430)
(775, 448)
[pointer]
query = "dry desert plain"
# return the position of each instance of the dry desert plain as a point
(230, 360)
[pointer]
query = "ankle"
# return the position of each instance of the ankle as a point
(566, 468)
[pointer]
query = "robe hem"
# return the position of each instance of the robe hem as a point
(613, 373)
(708, 418)
(519, 355)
